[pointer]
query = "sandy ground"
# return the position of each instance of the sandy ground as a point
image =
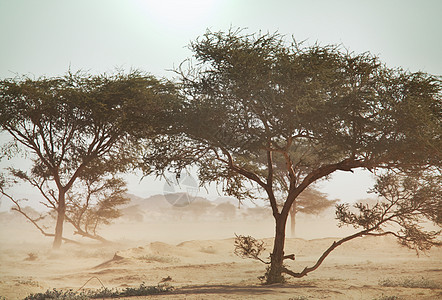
(198, 257)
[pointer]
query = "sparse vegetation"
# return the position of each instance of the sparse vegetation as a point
(58, 294)
(406, 201)
(422, 283)
(248, 247)
(142, 290)
(157, 258)
(387, 298)
(29, 282)
(31, 256)
(299, 298)
(208, 250)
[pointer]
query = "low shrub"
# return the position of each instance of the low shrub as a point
(142, 290)
(387, 298)
(422, 283)
(157, 258)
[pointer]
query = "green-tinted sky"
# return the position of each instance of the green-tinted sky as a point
(46, 37)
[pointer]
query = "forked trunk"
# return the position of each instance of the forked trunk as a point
(274, 274)
(61, 211)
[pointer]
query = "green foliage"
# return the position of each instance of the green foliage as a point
(57, 294)
(142, 290)
(80, 118)
(82, 126)
(95, 201)
(267, 116)
(278, 115)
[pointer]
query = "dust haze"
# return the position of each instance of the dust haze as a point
(192, 248)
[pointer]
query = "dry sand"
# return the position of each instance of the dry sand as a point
(198, 257)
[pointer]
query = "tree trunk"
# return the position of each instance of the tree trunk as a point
(274, 274)
(61, 211)
(293, 220)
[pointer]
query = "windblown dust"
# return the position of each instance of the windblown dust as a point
(193, 252)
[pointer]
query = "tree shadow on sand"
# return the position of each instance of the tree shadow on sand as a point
(239, 290)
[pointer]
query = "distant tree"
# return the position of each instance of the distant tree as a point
(95, 200)
(197, 208)
(259, 212)
(64, 124)
(133, 213)
(92, 201)
(264, 116)
(227, 209)
(310, 202)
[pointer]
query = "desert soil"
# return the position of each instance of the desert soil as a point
(206, 268)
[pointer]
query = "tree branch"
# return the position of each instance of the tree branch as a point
(269, 186)
(33, 221)
(323, 171)
(84, 233)
(242, 171)
(324, 255)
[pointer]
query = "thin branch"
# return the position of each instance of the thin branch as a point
(324, 255)
(346, 164)
(242, 171)
(84, 233)
(269, 187)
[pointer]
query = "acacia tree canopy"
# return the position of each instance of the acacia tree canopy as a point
(278, 116)
(67, 123)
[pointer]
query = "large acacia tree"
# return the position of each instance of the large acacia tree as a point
(67, 124)
(268, 117)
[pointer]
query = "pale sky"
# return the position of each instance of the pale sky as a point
(46, 37)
